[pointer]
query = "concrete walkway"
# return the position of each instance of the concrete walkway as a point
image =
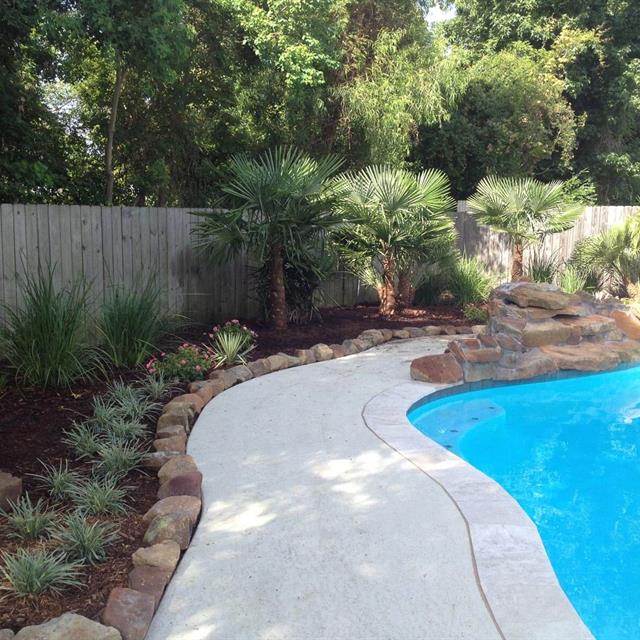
(313, 528)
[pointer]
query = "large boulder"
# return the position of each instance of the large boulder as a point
(439, 369)
(530, 294)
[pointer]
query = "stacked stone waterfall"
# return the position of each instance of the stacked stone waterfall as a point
(537, 329)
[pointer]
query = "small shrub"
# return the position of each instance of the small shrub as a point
(44, 340)
(33, 572)
(125, 430)
(131, 324)
(99, 496)
(84, 541)
(29, 521)
(231, 343)
(469, 281)
(116, 459)
(156, 387)
(130, 402)
(542, 267)
(83, 438)
(186, 364)
(58, 481)
(104, 411)
(572, 280)
(475, 314)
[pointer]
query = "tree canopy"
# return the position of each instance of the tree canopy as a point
(155, 97)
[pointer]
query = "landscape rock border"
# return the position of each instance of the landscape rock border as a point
(172, 520)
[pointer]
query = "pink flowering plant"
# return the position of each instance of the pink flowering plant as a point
(231, 343)
(187, 363)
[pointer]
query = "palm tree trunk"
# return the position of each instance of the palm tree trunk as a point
(406, 292)
(277, 297)
(517, 262)
(388, 288)
(111, 131)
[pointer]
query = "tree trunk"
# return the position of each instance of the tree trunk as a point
(517, 262)
(117, 91)
(406, 292)
(277, 298)
(388, 288)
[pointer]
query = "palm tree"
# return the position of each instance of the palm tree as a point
(394, 220)
(281, 205)
(525, 209)
(613, 254)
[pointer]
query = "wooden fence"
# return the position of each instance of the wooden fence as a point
(128, 245)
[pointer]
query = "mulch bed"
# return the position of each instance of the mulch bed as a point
(31, 425)
(32, 422)
(336, 325)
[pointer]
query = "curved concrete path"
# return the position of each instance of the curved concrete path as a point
(312, 527)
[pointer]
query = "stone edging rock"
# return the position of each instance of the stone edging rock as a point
(172, 519)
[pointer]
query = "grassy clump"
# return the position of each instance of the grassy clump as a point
(58, 481)
(44, 339)
(29, 521)
(100, 496)
(29, 572)
(116, 459)
(84, 541)
(132, 324)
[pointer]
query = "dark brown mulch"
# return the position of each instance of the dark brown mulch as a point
(336, 325)
(31, 425)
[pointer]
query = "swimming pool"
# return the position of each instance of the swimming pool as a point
(568, 451)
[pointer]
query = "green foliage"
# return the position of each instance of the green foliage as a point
(129, 402)
(394, 219)
(407, 82)
(117, 458)
(512, 120)
(58, 481)
(469, 282)
(84, 438)
(283, 207)
(85, 541)
(525, 209)
(542, 267)
(31, 572)
(302, 280)
(572, 280)
(44, 340)
(613, 254)
(474, 313)
(100, 496)
(156, 387)
(465, 282)
(131, 324)
(282, 198)
(29, 521)
(231, 343)
(186, 364)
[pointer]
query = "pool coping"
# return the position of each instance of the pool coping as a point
(513, 571)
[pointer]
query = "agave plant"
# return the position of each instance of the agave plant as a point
(525, 209)
(282, 201)
(394, 219)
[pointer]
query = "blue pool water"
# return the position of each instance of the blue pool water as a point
(569, 452)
